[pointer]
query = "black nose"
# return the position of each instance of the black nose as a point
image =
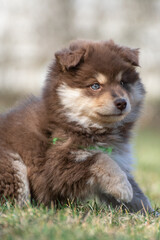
(120, 103)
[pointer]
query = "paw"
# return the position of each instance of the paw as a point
(122, 189)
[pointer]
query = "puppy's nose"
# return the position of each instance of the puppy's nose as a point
(120, 103)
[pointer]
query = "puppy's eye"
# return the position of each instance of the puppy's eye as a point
(123, 84)
(95, 86)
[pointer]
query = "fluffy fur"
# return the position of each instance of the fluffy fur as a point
(92, 98)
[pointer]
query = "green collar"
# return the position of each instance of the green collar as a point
(90, 148)
(99, 148)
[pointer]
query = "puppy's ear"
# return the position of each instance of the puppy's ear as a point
(69, 58)
(130, 55)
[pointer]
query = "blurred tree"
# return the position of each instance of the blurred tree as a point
(54, 24)
(139, 15)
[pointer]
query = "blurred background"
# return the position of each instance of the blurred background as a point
(31, 31)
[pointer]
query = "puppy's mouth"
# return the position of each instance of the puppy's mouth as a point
(111, 118)
(111, 115)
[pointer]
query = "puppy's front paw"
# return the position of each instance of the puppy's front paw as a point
(122, 189)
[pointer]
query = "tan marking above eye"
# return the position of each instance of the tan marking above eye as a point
(102, 79)
(119, 76)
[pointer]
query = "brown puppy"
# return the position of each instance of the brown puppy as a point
(73, 141)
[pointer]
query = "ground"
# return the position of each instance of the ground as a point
(92, 220)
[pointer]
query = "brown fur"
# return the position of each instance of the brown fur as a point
(80, 117)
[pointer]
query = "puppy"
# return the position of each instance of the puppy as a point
(73, 141)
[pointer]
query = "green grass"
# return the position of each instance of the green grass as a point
(91, 221)
(148, 167)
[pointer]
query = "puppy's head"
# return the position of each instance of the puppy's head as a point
(98, 84)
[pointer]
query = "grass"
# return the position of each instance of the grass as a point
(90, 220)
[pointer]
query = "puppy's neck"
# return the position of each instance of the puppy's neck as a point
(112, 134)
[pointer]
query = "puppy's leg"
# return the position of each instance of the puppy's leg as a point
(13, 179)
(66, 179)
(139, 202)
(111, 179)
